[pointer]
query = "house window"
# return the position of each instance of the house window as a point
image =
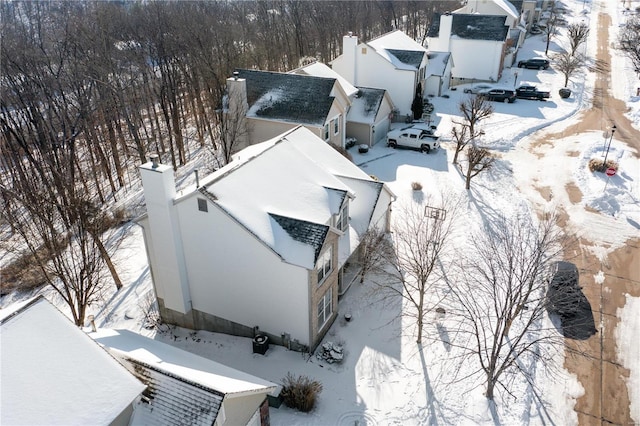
(336, 126)
(364, 50)
(202, 205)
(342, 220)
(326, 132)
(325, 308)
(325, 264)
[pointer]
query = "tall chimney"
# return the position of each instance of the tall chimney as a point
(350, 57)
(441, 43)
(162, 235)
(237, 107)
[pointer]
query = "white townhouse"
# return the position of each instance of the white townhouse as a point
(393, 61)
(478, 45)
(273, 103)
(265, 244)
(369, 112)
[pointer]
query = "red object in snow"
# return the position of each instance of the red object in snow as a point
(611, 171)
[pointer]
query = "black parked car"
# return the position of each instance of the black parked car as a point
(534, 64)
(499, 95)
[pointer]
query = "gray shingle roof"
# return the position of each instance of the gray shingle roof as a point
(295, 98)
(302, 231)
(473, 27)
(173, 400)
(409, 57)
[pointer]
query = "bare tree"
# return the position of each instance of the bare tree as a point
(374, 252)
(567, 64)
(64, 252)
(577, 34)
(550, 29)
(420, 236)
(499, 298)
(474, 109)
(629, 41)
(462, 136)
(478, 160)
(233, 125)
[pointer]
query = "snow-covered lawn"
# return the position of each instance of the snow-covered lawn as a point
(386, 378)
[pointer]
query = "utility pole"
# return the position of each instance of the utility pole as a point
(604, 163)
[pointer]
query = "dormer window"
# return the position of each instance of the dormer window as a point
(342, 219)
(326, 132)
(336, 126)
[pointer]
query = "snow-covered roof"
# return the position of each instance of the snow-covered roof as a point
(437, 63)
(399, 49)
(396, 40)
(53, 373)
(291, 187)
(167, 358)
(360, 214)
(182, 385)
(365, 105)
(509, 8)
(318, 69)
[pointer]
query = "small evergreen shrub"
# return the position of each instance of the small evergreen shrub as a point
(416, 186)
(300, 392)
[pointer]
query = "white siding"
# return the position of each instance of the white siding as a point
(476, 59)
(234, 276)
(400, 84)
(380, 214)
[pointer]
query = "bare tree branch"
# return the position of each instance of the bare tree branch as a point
(500, 298)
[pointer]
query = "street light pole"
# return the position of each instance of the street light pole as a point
(613, 130)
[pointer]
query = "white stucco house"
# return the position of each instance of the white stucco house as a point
(505, 8)
(54, 374)
(398, 62)
(477, 43)
(183, 388)
(515, 19)
(268, 242)
(273, 103)
(369, 112)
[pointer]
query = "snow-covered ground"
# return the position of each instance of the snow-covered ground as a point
(386, 378)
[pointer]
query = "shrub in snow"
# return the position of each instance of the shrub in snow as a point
(300, 392)
(416, 186)
(597, 165)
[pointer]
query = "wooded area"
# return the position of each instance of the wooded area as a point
(90, 89)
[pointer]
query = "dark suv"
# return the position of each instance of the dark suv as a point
(499, 95)
(534, 64)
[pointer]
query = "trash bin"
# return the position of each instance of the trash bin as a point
(260, 344)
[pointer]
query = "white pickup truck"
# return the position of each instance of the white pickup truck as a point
(413, 137)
